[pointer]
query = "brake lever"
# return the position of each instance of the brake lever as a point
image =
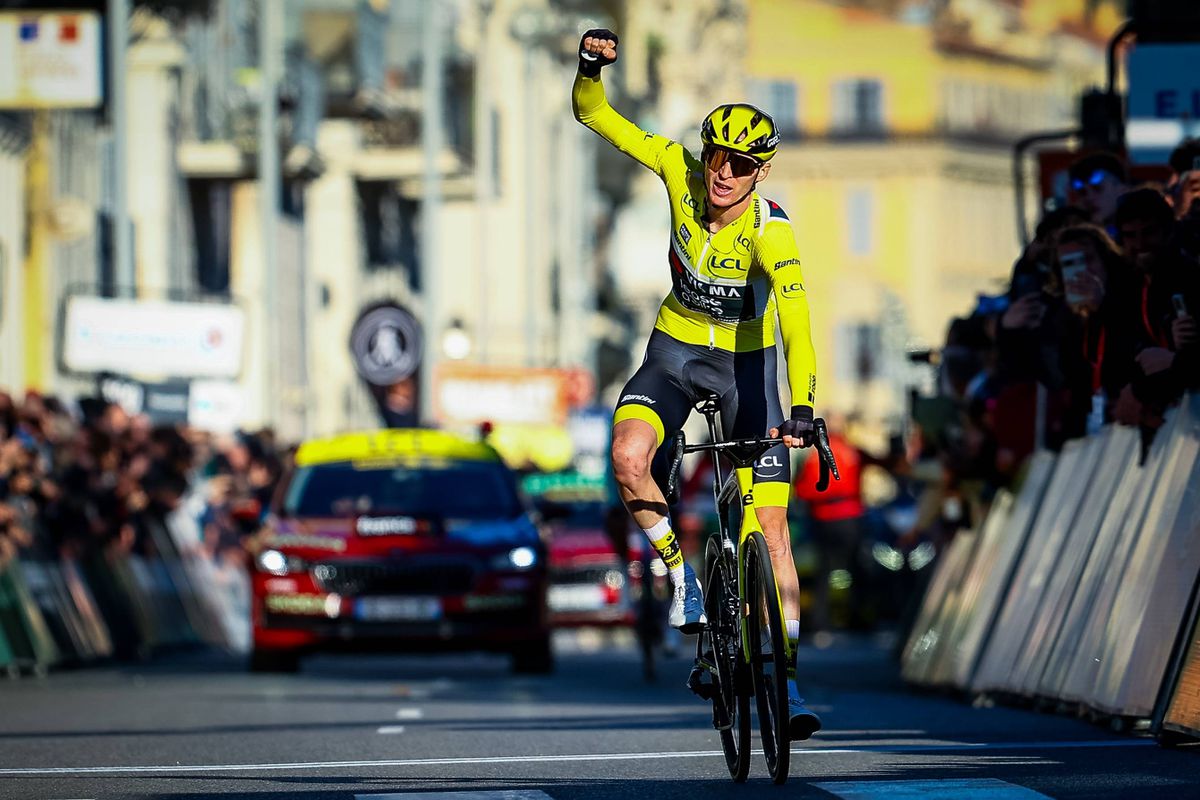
(675, 455)
(825, 453)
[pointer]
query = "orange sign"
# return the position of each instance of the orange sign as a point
(471, 394)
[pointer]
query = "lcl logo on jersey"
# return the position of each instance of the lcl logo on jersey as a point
(792, 289)
(768, 466)
(729, 264)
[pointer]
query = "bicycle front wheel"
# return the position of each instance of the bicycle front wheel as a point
(769, 659)
(719, 652)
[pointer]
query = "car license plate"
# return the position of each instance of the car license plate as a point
(576, 598)
(393, 609)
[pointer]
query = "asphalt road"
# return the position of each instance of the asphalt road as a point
(197, 725)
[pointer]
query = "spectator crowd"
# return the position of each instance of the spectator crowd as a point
(1097, 326)
(95, 485)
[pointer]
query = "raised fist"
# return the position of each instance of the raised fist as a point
(597, 48)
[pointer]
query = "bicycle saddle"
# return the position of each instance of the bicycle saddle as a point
(709, 403)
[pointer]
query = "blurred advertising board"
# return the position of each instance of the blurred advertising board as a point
(50, 60)
(567, 487)
(209, 405)
(536, 417)
(591, 432)
(158, 338)
(216, 406)
(472, 394)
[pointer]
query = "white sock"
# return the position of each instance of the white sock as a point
(664, 541)
(793, 629)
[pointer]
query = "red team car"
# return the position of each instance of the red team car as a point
(400, 540)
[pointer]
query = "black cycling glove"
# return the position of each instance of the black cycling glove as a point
(800, 425)
(590, 63)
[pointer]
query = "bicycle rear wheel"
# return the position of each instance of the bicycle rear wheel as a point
(718, 650)
(768, 663)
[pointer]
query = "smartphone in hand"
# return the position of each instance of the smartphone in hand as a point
(1074, 266)
(1179, 306)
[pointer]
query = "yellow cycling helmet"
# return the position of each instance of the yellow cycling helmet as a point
(742, 128)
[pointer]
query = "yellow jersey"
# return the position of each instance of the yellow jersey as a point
(728, 286)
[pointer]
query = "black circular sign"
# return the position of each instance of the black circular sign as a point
(386, 344)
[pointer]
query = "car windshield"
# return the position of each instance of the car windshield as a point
(457, 489)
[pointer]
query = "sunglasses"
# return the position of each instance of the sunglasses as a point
(741, 166)
(1097, 178)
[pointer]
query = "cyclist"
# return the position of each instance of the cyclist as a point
(734, 265)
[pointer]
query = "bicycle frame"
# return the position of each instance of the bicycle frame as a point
(737, 487)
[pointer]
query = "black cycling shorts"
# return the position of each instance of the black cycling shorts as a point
(675, 376)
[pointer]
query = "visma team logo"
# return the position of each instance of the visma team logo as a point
(386, 344)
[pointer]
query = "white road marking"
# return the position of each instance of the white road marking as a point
(515, 794)
(880, 732)
(944, 789)
(583, 757)
(391, 729)
(410, 713)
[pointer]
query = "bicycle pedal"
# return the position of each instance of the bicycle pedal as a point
(698, 686)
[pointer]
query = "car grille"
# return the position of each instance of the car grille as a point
(415, 577)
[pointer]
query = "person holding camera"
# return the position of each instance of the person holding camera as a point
(1097, 287)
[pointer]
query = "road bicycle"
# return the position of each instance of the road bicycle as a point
(743, 652)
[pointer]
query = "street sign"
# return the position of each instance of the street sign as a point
(1164, 100)
(50, 60)
(386, 344)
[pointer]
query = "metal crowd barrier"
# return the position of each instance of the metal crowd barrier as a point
(1081, 588)
(59, 611)
(1179, 709)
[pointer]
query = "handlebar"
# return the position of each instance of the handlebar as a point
(744, 452)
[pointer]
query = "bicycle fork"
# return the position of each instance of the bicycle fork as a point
(744, 477)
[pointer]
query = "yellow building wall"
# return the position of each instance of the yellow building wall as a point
(941, 223)
(817, 44)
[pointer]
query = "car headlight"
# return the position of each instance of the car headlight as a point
(921, 556)
(517, 558)
(277, 563)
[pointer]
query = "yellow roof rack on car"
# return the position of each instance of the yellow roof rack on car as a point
(400, 444)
